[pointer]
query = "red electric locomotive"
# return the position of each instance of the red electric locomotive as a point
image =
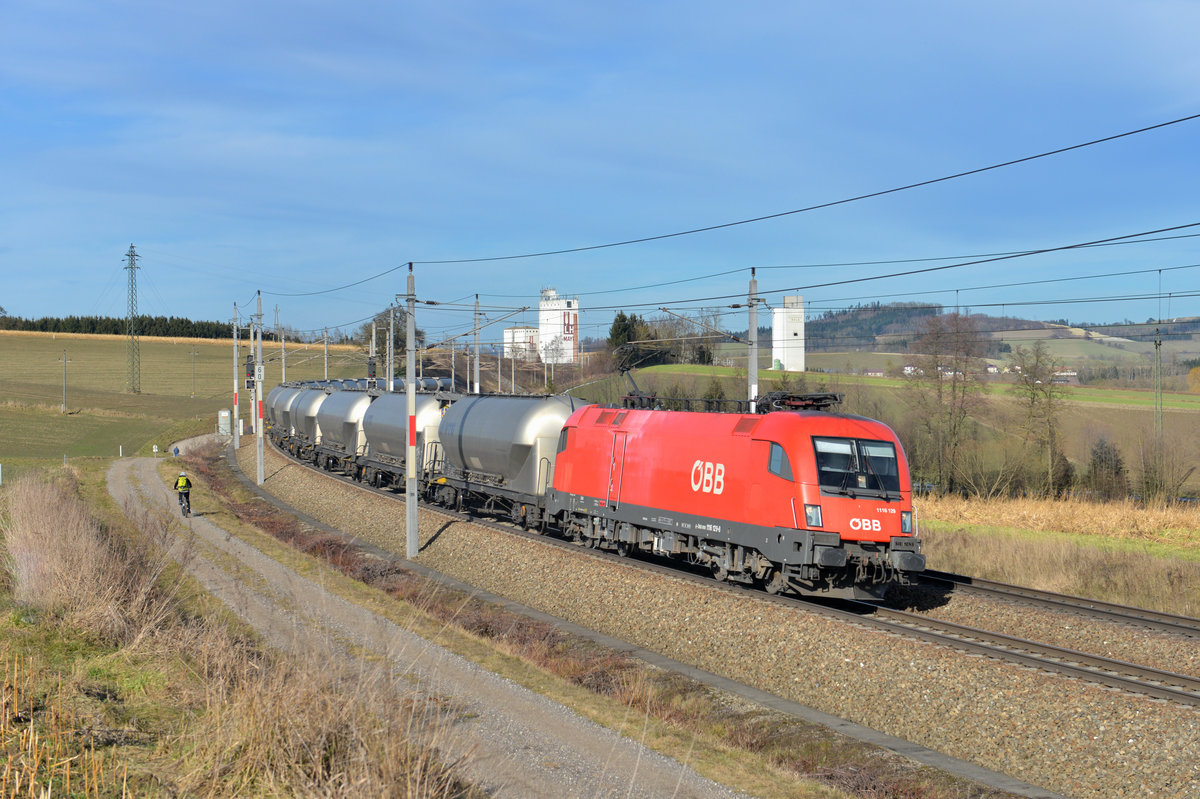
(807, 500)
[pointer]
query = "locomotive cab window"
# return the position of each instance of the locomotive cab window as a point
(853, 466)
(778, 464)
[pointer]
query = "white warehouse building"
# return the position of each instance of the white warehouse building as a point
(558, 328)
(787, 335)
(521, 343)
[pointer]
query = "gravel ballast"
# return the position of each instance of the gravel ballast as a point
(1075, 738)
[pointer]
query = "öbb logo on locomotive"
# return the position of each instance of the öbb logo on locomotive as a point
(869, 525)
(708, 477)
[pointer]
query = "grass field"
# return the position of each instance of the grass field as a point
(184, 383)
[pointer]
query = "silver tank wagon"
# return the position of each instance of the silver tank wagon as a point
(508, 441)
(385, 423)
(340, 420)
(303, 414)
(278, 406)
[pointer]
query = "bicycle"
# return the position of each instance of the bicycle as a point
(185, 504)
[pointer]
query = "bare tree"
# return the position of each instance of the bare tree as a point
(945, 390)
(1164, 468)
(1041, 401)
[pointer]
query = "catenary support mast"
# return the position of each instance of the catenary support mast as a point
(752, 370)
(410, 387)
(237, 424)
(258, 387)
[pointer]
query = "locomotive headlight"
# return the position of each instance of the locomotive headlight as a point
(906, 522)
(812, 515)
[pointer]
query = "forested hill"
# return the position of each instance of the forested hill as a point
(172, 326)
(861, 325)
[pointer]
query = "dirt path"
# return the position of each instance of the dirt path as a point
(510, 740)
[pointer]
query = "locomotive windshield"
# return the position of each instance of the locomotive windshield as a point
(854, 466)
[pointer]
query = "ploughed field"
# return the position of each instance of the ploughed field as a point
(1070, 736)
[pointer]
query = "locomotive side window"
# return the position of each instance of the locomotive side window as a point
(847, 465)
(564, 438)
(778, 464)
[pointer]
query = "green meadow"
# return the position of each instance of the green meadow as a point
(184, 384)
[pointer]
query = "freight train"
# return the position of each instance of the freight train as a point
(792, 498)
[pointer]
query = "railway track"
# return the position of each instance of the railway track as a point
(1130, 677)
(1091, 608)
(1126, 676)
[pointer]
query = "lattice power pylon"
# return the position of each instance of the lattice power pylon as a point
(131, 326)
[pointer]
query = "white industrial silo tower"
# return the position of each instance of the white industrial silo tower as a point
(558, 328)
(787, 335)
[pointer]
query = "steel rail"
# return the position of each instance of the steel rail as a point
(1114, 673)
(1096, 608)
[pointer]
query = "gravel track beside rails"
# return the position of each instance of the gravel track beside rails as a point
(1076, 738)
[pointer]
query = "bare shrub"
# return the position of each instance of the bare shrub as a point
(65, 563)
(311, 727)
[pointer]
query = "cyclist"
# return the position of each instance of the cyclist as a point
(183, 487)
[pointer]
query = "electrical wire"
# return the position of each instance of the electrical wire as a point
(752, 220)
(830, 204)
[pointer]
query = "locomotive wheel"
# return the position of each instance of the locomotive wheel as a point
(719, 572)
(774, 582)
(623, 548)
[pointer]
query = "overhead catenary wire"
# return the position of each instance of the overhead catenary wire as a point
(752, 220)
(818, 206)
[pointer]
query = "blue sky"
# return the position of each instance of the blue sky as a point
(295, 147)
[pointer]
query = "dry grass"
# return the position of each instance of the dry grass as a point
(63, 562)
(1125, 552)
(315, 726)
(41, 758)
(227, 719)
(1172, 524)
(1058, 563)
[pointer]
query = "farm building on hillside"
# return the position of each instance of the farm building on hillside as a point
(521, 343)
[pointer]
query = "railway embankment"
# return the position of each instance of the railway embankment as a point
(1073, 737)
